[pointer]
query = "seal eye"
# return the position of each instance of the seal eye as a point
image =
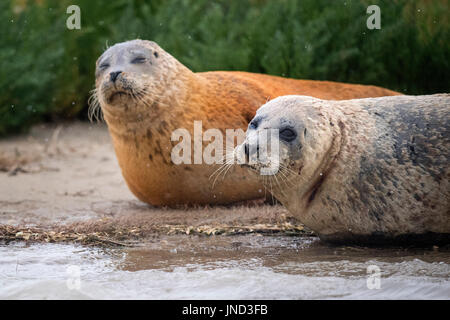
(253, 124)
(156, 54)
(138, 60)
(104, 66)
(288, 134)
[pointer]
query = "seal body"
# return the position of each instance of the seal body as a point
(366, 171)
(146, 94)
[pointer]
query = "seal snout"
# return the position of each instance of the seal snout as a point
(118, 84)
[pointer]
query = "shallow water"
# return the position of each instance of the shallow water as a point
(237, 267)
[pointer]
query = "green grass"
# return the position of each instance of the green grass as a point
(47, 71)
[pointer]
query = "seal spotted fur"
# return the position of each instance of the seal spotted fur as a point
(366, 170)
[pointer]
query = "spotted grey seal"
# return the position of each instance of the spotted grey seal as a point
(364, 171)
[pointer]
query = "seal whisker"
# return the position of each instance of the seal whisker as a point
(94, 110)
(279, 185)
(223, 162)
(223, 168)
(284, 178)
(282, 165)
(226, 171)
(271, 187)
(288, 175)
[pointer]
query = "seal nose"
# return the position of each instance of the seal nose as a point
(113, 75)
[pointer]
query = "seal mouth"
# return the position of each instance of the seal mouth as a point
(116, 95)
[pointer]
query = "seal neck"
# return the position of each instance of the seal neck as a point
(327, 164)
(344, 118)
(316, 167)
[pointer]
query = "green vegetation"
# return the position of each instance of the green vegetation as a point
(47, 71)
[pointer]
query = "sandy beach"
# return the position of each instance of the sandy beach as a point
(65, 178)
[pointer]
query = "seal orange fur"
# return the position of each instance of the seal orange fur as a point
(145, 94)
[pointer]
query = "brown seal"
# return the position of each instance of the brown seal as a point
(365, 171)
(145, 94)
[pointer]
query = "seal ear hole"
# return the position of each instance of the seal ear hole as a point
(156, 54)
(304, 132)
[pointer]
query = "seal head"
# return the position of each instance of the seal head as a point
(136, 74)
(304, 137)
